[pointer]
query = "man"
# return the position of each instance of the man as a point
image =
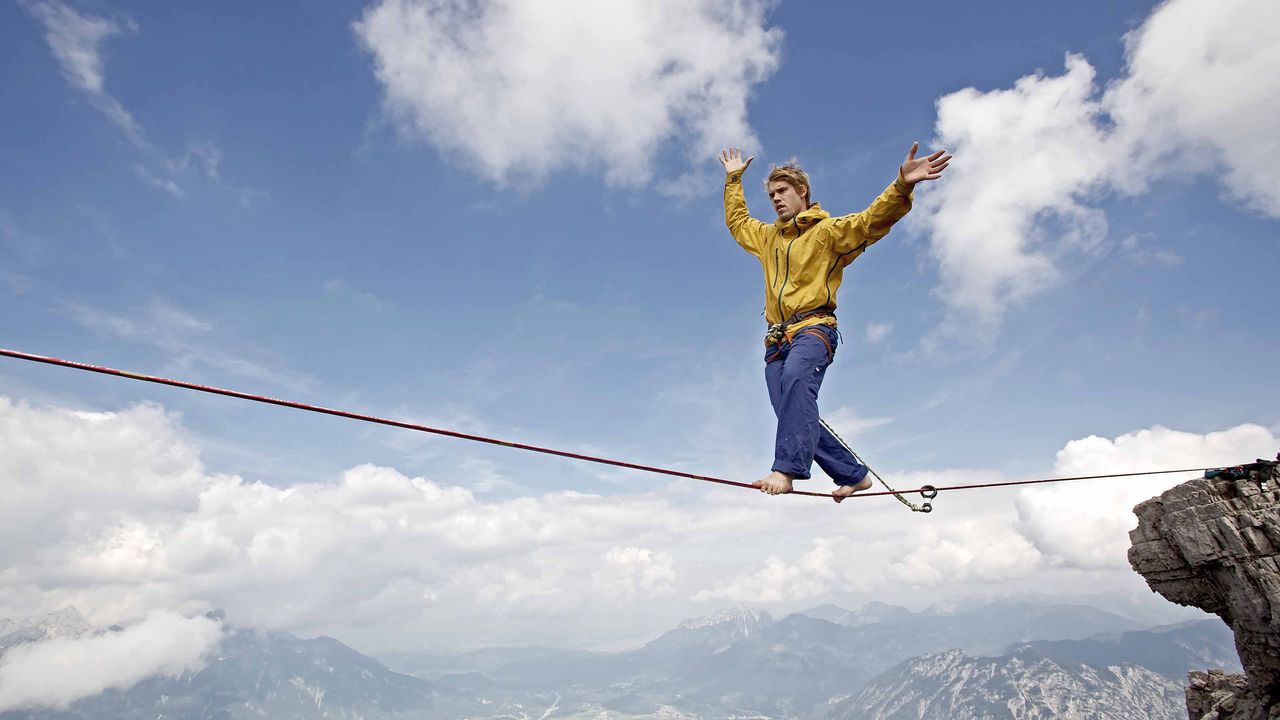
(804, 254)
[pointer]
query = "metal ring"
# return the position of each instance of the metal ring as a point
(928, 492)
(926, 508)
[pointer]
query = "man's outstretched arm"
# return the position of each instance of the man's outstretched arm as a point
(859, 230)
(747, 231)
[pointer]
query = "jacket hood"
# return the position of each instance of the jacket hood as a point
(804, 219)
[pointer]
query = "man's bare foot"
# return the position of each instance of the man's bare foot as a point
(775, 483)
(844, 491)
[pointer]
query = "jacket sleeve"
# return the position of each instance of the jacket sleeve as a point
(854, 233)
(748, 231)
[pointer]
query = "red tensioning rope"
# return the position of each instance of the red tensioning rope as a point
(519, 446)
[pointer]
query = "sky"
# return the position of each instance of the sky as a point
(504, 218)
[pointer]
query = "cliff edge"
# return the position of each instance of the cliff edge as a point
(1212, 543)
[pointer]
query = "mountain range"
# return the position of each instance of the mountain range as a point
(1023, 684)
(1004, 659)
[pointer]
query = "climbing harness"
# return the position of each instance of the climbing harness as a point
(778, 331)
(928, 492)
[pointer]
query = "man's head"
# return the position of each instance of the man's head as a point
(788, 189)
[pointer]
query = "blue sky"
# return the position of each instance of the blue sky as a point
(496, 236)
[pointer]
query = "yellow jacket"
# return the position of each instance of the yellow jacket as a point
(804, 258)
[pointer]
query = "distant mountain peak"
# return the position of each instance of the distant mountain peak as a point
(746, 618)
(872, 612)
(67, 622)
(1023, 684)
(66, 619)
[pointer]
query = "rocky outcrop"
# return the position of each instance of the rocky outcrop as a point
(1215, 694)
(1212, 543)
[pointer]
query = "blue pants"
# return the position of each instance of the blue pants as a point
(794, 371)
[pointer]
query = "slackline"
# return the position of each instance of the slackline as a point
(926, 491)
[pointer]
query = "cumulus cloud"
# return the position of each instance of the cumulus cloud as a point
(1199, 95)
(114, 513)
(1203, 94)
(1086, 524)
(51, 456)
(971, 542)
(521, 89)
(967, 551)
(777, 581)
(60, 671)
(1025, 154)
(630, 571)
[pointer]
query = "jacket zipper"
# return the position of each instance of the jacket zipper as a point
(788, 277)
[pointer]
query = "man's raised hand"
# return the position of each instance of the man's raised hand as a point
(926, 168)
(731, 159)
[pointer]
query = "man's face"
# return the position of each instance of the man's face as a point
(787, 201)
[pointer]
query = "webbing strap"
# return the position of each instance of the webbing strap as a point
(925, 508)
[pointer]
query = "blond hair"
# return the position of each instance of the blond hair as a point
(789, 172)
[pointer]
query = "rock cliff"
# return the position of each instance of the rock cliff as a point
(1212, 543)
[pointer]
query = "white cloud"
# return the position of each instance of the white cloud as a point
(521, 89)
(1203, 94)
(1022, 155)
(849, 425)
(76, 41)
(114, 513)
(67, 476)
(878, 331)
(57, 672)
(1086, 524)
(166, 184)
(779, 582)
(1199, 94)
(1142, 250)
(630, 571)
(967, 551)
(189, 342)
